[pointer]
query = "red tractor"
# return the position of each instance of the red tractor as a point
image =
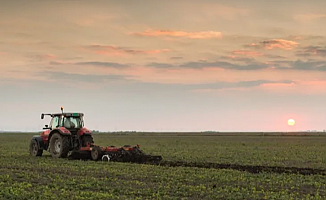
(67, 133)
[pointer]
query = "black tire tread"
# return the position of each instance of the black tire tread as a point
(39, 152)
(65, 145)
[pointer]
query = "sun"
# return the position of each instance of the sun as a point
(291, 122)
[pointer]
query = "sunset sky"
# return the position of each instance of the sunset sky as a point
(184, 65)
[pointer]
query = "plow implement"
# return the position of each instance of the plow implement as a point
(126, 153)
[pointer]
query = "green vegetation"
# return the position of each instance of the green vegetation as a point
(24, 177)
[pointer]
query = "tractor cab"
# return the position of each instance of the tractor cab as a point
(71, 121)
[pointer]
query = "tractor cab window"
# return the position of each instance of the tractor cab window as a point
(55, 122)
(72, 122)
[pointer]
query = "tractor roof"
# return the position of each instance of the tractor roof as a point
(64, 114)
(68, 114)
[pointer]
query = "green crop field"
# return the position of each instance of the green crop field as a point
(194, 166)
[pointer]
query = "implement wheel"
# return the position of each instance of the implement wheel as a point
(34, 148)
(59, 146)
(96, 153)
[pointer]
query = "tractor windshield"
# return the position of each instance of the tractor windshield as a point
(72, 122)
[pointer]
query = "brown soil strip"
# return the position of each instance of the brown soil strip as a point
(248, 168)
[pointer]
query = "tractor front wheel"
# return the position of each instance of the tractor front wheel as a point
(59, 146)
(34, 148)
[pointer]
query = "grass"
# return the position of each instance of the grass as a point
(24, 177)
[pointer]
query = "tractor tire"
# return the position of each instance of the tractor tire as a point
(59, 146)
(34, 148)
(87, 139)
(96, 153)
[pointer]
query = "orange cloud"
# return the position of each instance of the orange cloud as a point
(247, 53)
(183, 34)
(279, 43)
(49, 56)
(115, 50)
(274, 43)
(308, 17)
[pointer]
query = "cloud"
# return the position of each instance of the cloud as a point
(90, 78)
(176, 58)
(103, 64)
(240, 84)
(275, 84)
(274, 43)
(307, 37)
(236, 58)
(56, 63)
(43, 57)
(115, 50)
(274, 56)
(181, 34)
(250, 65)
(301, 65)
(218, 64)
(247, 53)
(312, 51)
(309, 17)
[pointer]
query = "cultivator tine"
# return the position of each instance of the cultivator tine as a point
(131, 154)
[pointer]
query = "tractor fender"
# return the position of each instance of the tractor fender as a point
(84, 131)
(39, 141)
(60, 130)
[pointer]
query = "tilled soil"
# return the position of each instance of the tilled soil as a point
(248, 168)
(254, 169)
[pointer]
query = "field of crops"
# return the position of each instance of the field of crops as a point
(193, 167)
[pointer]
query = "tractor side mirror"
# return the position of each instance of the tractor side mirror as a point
(42, 116)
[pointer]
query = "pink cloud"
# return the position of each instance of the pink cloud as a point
(300, 86)
(49, 56)
(274, 43)
(247, 53)
(182, 34)
(115, 50)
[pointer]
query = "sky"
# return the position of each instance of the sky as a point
(186, 65)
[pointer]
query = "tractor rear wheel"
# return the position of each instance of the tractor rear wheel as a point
(34, 148)
(87, 139)
(59, 146)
